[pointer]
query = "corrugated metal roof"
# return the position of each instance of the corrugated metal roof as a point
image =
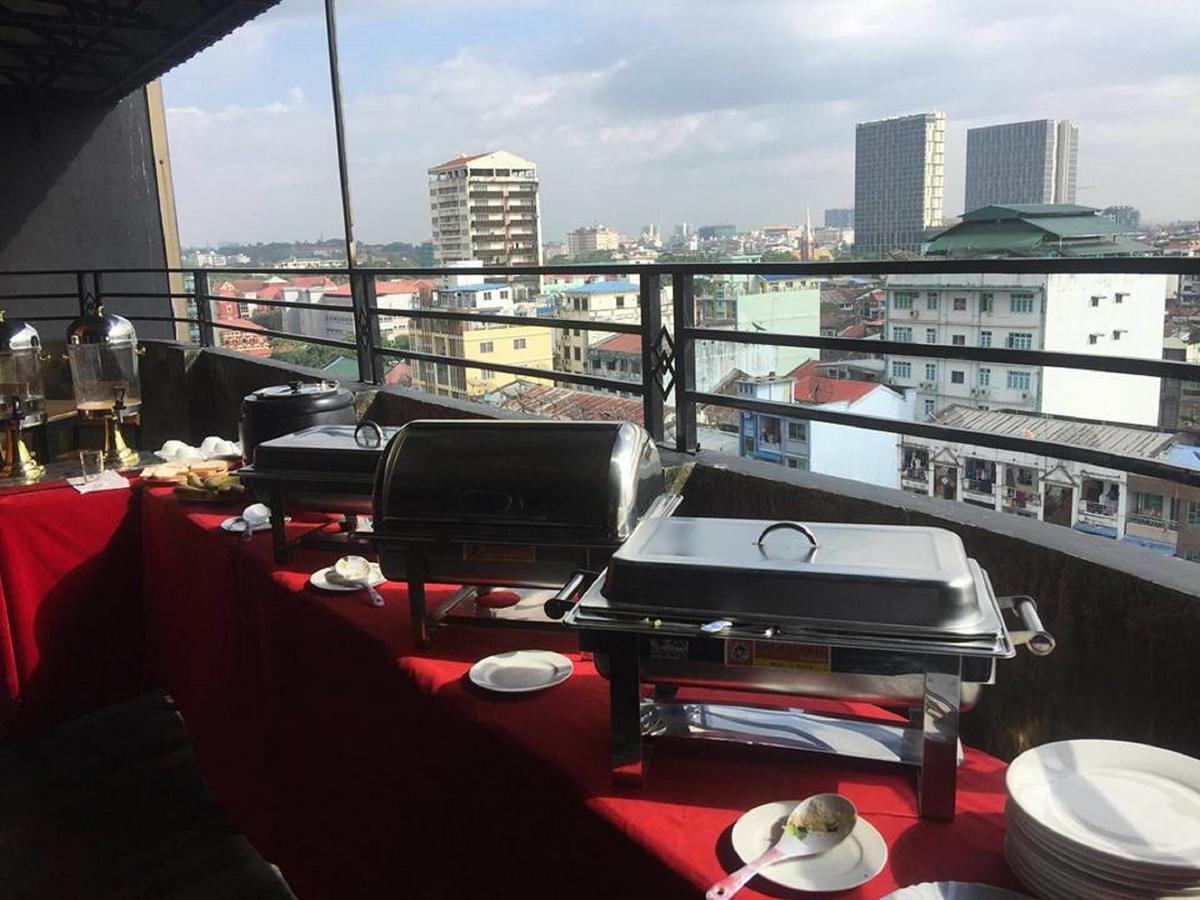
(603, 287)
(1026, 210)
(1123, 439)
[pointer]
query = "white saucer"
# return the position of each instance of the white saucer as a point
(855, 861)
(521, 671)
(228, 525)
(320, 579)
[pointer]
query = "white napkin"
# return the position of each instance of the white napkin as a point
(108, 480)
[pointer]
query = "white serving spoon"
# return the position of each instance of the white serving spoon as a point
(820, 811)
(357, 570)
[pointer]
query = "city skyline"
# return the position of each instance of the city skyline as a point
(626, 125)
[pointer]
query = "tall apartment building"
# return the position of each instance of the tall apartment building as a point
(486, 207)
(1117, 315)
(898, 182)
(1022, 162)
(839, 218)
(592, 239)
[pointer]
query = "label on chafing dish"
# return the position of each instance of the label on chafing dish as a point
(500, 552)
(777, 655)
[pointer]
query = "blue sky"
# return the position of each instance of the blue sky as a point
(678, 110)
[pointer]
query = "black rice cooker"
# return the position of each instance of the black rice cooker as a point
(272, 412)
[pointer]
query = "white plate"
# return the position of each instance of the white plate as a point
(320, 579)
(954, 890)
(228, 525)
(1047, 846)
(856, 860)
(1052, 876)
(1115, 799)
(521, 671)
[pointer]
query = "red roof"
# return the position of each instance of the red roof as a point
(248, 285)
(815, 389)
(854, 331)
(621, 343)
(400, 373)
(396, 286)
(311, 281)
(457, 161)
(244, 323)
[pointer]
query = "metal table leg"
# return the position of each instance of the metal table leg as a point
(624, 692)
(937, 780)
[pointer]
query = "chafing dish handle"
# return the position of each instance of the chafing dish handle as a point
(1033, 635)
(558, 605)
(794, 526)
(373, 426)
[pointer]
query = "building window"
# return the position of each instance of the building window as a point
(1193, 512)
(487, 295)
(1019, 340)
(957, 377)
(1093, 338)
(1019, 381)
(958, 340)
(931, 300)
(985, 303)
(577, 355)
(931, 371)
(902, 300)
(985, 339)
(620, 303)
(1095, 301)
(1116, 334)
(931, 335)
(960, 304)
(797, 431)
(486, 374)
(485, 347)
(930, 407)
(984, 377)
(1021, 303)
(518, 343)
(1118, 297)
(901, 369)
(901, 333)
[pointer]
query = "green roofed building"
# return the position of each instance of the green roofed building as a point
(1034, 229)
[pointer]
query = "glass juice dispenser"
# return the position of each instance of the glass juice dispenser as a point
(22, 397)
(103, 351)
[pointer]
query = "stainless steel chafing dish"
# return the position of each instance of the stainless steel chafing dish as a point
(323, 468)
(525, 504)
(895, 616)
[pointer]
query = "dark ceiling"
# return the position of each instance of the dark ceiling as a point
(57, 52)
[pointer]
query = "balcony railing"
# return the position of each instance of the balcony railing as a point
(668, 363)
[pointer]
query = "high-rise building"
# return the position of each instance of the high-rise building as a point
(898, 182)
(592, 239)
(1022, 162)
(839, 218)
(486, 207)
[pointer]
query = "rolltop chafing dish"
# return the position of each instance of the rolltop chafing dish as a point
(896, 616)
(509, 504)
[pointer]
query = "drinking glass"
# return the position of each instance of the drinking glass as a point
(91, 463)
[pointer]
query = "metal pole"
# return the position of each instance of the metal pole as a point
(339, 129)
(653, 394)
(685, 362)
(203, 307)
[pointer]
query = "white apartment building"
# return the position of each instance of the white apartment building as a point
(898, 182)
(1112, 315)
(486, 207)
(604, 301)
(592, 239)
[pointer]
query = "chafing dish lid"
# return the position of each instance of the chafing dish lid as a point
(101, 327)
(17, 335)
(592, 479)
(323, 448)
(877, 574)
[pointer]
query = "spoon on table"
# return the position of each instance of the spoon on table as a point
(357, 570)
(816, 825)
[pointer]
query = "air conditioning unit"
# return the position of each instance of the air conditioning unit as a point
(1024, 395)
(983, 392)
(974, 392)
(914, 312)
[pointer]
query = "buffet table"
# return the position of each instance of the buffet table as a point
(70, 603)
(365, 767)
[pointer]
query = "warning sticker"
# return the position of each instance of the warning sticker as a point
(777, 655)
(499, 552)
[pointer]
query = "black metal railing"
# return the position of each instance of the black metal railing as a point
(668, 365)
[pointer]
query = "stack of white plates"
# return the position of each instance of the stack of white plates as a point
(1104, 819)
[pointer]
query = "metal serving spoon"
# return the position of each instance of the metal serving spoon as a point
(357, 570)
(795, 841)
(253, 516)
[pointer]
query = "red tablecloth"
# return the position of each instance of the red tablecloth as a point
(70, 604)
(365, 768)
